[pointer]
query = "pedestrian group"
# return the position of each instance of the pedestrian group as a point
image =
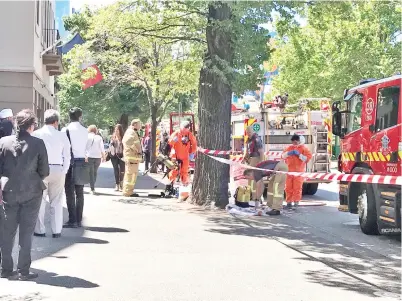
(39, 166)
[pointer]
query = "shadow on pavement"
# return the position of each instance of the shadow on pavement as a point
(46, 246)
(147, 202)
(53, 279)
(105, 179)
(354, 268)
(106, 229)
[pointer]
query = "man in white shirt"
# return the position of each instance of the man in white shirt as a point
(78, 174)
(59, 157)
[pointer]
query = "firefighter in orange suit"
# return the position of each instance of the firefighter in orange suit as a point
(296, 156)
(132, 155)
(184, 146)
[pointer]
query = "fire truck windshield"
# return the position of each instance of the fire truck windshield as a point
(353, 116)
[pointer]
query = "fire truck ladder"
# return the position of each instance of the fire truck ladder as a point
(321, 156)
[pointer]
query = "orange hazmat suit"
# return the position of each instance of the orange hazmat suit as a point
(296, 157)
(183, 145)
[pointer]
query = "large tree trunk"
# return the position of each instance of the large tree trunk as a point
(154, 125)
(214, 111)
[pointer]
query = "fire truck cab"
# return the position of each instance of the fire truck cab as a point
(368, 122)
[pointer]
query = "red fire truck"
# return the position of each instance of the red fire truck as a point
(368, 123)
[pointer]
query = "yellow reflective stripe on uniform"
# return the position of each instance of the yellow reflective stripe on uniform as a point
(381, 156)
(253, 186)
(375, 156)
(276, 194)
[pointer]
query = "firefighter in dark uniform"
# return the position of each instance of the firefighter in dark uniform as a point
(23, 166)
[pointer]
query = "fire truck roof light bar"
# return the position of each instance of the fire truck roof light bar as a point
(377, 82)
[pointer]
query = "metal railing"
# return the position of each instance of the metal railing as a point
(49, 38)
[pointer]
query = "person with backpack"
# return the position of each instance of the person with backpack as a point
(116, 156)
(184, 146)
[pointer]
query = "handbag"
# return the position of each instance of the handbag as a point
(108, 156)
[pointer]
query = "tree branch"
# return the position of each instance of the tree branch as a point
(170, 38)
(144, 30)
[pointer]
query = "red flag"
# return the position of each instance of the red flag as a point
(94, 79)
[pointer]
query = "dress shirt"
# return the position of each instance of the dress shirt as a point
(57, 146)
(147, 144)
(95, 147)
(79, 138)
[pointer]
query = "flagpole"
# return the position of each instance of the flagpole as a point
(50, 47)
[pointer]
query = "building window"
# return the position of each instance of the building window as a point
(387, 107)
(37, 12)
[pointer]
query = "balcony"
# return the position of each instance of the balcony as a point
(51, 56)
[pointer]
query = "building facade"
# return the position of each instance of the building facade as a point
(29, 59)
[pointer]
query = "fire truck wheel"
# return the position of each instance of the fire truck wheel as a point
(312, 188)
(367, 210)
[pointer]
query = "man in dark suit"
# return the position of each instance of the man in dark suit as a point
(23, 166)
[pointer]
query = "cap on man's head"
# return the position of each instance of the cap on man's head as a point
(135, 121)
(295, 137)
(185, 125)
(5, 113)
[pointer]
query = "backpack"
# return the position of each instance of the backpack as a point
(242, 196)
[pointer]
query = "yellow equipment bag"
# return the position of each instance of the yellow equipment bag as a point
(243, 196)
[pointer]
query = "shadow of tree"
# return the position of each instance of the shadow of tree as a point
(147, 202)
(356, 268)
(28, 297)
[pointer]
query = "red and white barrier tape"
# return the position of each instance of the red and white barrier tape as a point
(220, 152)
(375, 179)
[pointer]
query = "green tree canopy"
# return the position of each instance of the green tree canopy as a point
(342, 43)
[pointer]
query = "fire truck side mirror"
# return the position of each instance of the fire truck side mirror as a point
(337, 123)
(335, 106)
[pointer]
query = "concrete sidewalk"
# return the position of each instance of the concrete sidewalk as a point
(156, 249)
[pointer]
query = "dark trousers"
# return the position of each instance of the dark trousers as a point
(25, 216)
(147, 159)
(118, 168)
(74, 198)
(2, 216)
(93, 171)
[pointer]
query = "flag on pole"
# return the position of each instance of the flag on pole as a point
(75, 40)
(95, 76)
(89, 68)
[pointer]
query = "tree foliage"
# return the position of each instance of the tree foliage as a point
(342, 43)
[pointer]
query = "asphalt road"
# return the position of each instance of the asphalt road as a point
(156, 249)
